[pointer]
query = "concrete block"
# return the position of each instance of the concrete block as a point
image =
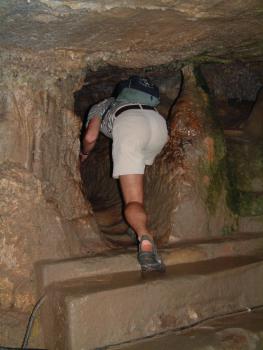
(58, 271)
(89, 313)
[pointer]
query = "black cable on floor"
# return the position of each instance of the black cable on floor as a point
(31, 322)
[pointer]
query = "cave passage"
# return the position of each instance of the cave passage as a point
(99, 187)
(232, 91)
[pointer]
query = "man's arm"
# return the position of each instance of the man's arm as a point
(90, 138)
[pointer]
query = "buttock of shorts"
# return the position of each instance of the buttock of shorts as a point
(138, 136)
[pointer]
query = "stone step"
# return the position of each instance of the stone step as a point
(243, 330)
(125, 261)
(241, 244)
(90, 313)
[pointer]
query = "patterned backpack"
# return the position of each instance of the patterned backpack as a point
(138, 90)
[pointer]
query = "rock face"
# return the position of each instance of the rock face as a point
(246, 182)
(31, 230)
(43, 212)
(233, 88)
(150, 33)
(188, 179)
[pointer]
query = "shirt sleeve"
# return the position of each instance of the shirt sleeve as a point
(99, 109)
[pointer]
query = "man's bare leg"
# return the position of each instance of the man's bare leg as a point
(132, 190)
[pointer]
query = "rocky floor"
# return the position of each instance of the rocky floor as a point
(243, 331)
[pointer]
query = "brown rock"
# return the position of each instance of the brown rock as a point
(31, 230)
(189, 207)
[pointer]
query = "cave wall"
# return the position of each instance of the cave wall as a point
(188, 179)
(236, 90)
(43, 212)
(233, 87)
(234, 80)
(42, 138)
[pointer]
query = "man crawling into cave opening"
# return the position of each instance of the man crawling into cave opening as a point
(139, 133)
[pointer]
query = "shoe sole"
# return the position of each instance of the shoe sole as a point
(157, 268)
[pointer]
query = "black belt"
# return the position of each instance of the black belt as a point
(126, 108)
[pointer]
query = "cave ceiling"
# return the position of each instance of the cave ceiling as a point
(65, 35)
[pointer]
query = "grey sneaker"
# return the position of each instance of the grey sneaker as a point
(150, 261)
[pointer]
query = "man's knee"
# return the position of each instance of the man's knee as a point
(132, 205)
(132, 188)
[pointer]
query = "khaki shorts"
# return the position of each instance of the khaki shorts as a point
(138, 136)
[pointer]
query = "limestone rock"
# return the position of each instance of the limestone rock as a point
(31, 230)
(70, 35)
(40, 133)
(188, 178)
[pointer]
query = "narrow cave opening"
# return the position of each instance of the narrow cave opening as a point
(99, 188)
(232, 90)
